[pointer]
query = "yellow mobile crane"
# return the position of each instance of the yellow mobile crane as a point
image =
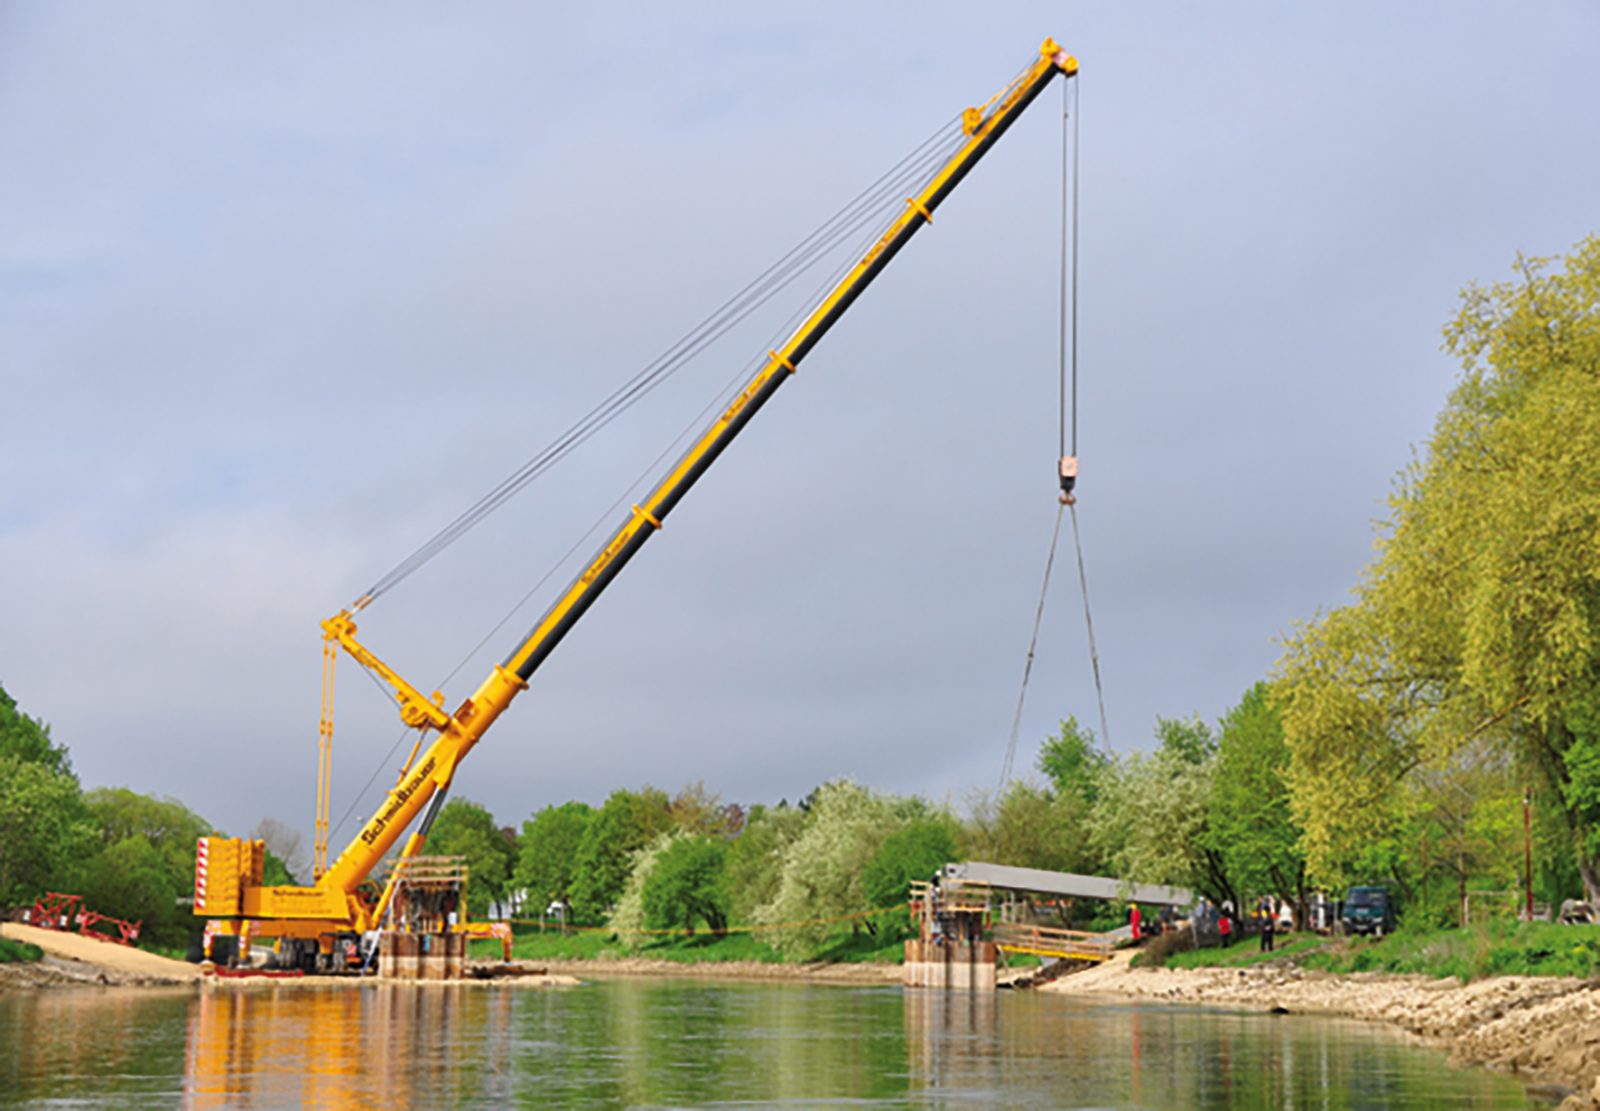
(228, 872)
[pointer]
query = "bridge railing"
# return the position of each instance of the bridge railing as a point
(1053, 941)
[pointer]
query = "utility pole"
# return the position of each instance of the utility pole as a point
(1527, 847)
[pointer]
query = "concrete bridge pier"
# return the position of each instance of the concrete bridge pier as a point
(956, 965)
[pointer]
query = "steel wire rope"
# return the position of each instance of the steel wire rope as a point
(390, 696)
(1033, 643)
(1088, 621)
(755, 293)
(720, 400)
(1066, 356)
(866, 210)
(1077, 540)
(371, 779)
(1077, 126)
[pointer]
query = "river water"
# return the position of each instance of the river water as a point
(687, 1042)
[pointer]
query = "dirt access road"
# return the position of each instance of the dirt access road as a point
(75, 958)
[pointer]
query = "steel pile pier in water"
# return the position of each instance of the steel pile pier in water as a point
(949, 950)
(415, 956)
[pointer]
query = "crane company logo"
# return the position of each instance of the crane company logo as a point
(606, 557)
(381, 822)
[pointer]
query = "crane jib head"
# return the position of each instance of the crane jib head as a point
(1063, 61)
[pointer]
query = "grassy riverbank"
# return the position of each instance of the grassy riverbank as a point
(16, 951)
(1505, 948)
(702, 948)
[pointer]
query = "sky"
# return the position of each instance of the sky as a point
(280, 296)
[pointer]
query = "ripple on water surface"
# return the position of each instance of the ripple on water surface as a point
(680, 1042)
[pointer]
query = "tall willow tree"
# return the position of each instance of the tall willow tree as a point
(1479, 619)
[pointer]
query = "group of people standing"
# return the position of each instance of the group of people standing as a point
(1210, 919)
(1144, 927)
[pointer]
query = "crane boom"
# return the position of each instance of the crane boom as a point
(335, 901)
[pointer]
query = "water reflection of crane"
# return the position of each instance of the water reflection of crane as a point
(255, 1046)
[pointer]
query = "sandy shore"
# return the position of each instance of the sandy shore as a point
(74, 959)
(1544, 1030)
(71, 959)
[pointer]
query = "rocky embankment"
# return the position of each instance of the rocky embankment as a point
(1542, 1029)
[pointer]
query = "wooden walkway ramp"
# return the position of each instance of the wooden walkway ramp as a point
(1048, 941)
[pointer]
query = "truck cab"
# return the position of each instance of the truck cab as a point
(1367, 910)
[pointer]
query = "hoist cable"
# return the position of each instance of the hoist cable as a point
(1033, 643)
(1077, 97)
(719, 401)
(866, 208)
(863, 210)
(577, 545)
(1067, 413)
(734, 311)
(1077, 539)
(1061, 314)
(371, 779)
(1088, 620)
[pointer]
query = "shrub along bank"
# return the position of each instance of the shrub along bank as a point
(598, 945)
(11, 951)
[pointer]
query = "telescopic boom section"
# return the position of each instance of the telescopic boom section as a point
(647, 517)
(435, 768)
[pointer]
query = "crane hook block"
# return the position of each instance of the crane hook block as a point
(1069, 477)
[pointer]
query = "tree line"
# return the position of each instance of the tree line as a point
(1401, 739)
(129, 855)
(1425, 736)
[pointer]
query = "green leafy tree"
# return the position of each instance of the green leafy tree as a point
(45, 830)
(132, 879)
(149, 837)
(1073, 763)
(688, 885)
(1467, 821)
(1150, 823)
(628, 822)
(275, 871)
(697, 810)
(1187, 739)
(466, 829)
(547, 861)
(755, 857)
(1250, 824)
(1029, 826)
(1480, 617)
(28, 739)
(821, 875)
(915, 851)
(167, 825)
(627, 915)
